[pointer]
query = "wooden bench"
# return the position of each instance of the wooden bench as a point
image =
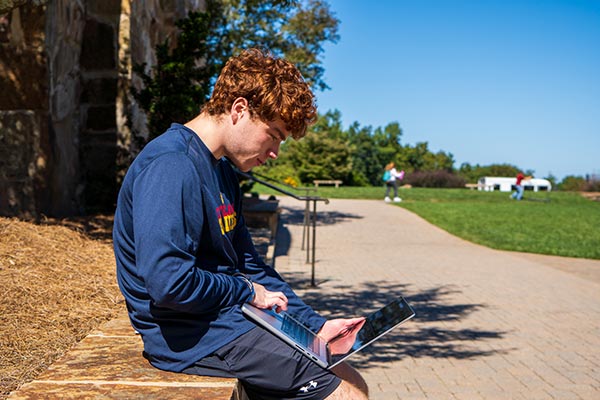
(473, 186)
(108, 364)
(335, 182)
(261, 214)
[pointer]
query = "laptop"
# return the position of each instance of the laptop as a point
(297, 335)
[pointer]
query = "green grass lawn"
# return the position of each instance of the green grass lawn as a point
(556, 223)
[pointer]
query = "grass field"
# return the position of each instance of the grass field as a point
(556, 223)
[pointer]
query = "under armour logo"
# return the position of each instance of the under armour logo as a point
(311, 385)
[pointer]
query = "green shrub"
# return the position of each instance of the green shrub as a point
(435, 179)
(572, 183)
(592, 185)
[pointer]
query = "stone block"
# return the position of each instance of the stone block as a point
(114, 391)
(100, 118)
(17, 132)
(23, 80)
(104, 8)
(98, 46)
(108, 364)
(99, 91)
(64, 98)
(19, 154)
(16, 199)
(98, 159)
(98, 153)
(169, 5)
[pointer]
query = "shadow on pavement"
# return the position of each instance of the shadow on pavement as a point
(291, 216)
(430, 333)
(426, 335)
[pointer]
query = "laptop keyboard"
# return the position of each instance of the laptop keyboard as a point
(299, 333)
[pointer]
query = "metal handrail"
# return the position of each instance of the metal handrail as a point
(267, 178)
(306, 221)
(310, 252)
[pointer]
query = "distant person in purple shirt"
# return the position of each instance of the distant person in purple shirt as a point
(391, 177)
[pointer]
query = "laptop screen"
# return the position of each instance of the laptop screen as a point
(378, 324)
(299, 336)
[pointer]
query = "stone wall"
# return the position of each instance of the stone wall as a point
(99, 76)
(24, 137)
(64, 30)
(19, 157)
(65, 70)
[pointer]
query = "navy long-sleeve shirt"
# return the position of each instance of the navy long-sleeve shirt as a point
(179, 236)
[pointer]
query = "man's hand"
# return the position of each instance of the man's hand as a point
(264, 298)
(341, 333)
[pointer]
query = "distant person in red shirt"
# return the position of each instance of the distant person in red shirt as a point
(518, 194)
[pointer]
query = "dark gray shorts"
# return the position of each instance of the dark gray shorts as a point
(268, 368)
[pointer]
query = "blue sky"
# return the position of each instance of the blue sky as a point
(489, 81)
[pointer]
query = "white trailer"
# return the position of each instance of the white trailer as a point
(504, 184)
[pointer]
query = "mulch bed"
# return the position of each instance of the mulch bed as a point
(58, 284)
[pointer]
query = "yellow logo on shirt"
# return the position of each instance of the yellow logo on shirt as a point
(227, 216)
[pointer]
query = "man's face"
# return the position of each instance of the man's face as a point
(253, 141)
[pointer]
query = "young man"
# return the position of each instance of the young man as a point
(185, 260)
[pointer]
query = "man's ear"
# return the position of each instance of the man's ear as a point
(239, 107)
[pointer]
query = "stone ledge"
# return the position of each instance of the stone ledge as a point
(108, 364)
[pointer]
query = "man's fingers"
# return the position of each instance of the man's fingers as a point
(266, 299)
(279, 302)
(356, 321)
(276, 301)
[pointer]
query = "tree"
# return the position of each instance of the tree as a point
(185, 72)
(294, 29)
(473, 173)
(388, 141)
(366, 156)
(356, 156)
(179, 83)
(323, 154)
(552, 179)
(572, 183)
(440, 161)
(415, 156)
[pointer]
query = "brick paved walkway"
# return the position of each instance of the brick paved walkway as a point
(489, 324)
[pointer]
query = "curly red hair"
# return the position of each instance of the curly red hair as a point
(273, 87)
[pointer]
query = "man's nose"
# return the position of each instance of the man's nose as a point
(274, 151)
